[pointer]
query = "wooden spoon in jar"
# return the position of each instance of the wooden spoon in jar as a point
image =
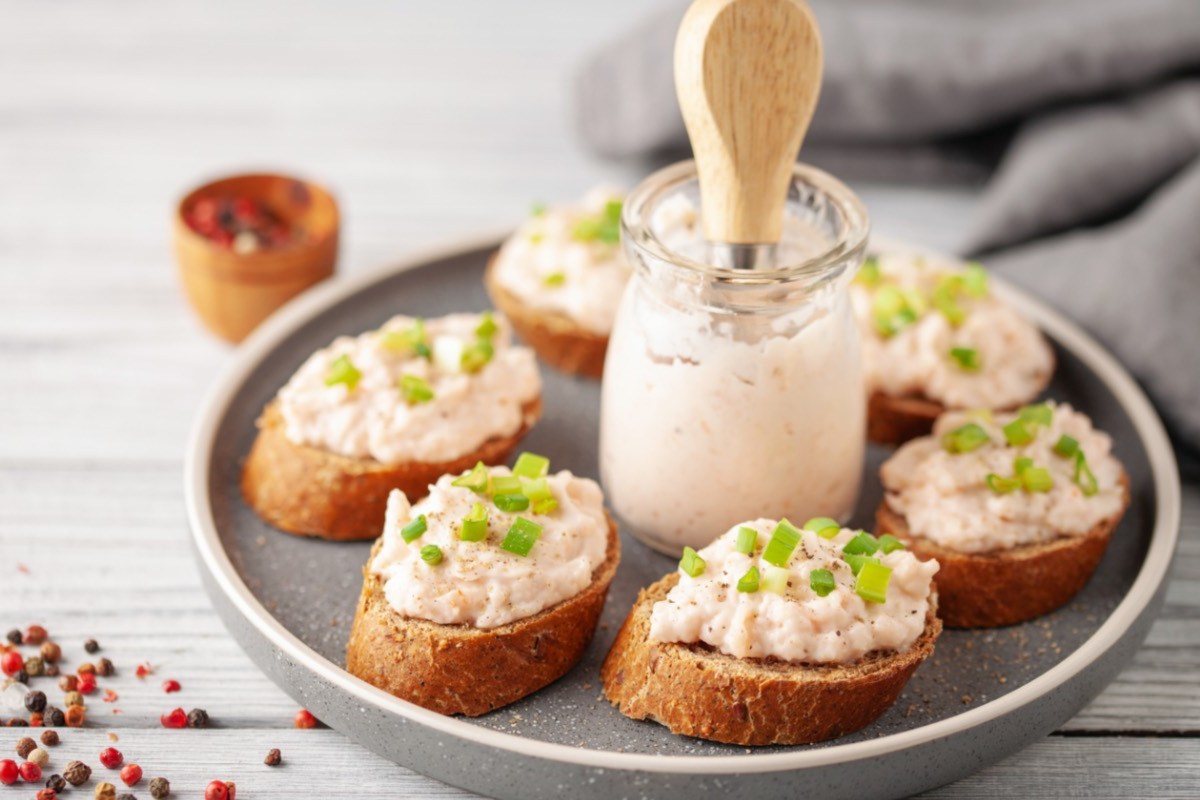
(747, 73)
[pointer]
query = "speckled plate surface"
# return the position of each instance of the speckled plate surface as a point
(984, 694)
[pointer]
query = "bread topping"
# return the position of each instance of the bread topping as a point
(479, 583)
(568, 260)
(948, 497)
(799, 624)
(412, 391)
(922, 336)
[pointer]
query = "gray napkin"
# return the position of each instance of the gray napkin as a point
(1082, 117)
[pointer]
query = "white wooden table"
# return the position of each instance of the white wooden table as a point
(431, 121)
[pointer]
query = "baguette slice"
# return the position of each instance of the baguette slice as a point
(698, 691)
(309, 491)
(557, 339)
(988, 590)
(459, 669)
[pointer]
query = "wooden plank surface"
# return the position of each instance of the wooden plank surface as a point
(431, 121)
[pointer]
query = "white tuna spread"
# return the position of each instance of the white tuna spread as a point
(1012, 361)
(798, 625)
(478, 583)
(703, 425)
(374, 419)
(556, 261)
(945, 497)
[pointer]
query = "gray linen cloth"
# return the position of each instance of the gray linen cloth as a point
(1082, 117)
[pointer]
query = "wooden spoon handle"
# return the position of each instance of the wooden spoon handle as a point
(747, 73)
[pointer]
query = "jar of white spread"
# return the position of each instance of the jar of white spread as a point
(730, 394)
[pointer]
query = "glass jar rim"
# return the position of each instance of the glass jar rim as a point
(641, 202)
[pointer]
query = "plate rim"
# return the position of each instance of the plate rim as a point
(293, 315)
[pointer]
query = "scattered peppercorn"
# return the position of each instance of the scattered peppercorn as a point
(14, 636)
(87, 683)
(171, 685)
(35, 720)
(25, 746)
(57, 783)
(86, 668)
(12, 663)
(22, 676)
(17, 722)
(305, 719)
(104, 668)
(35, 701)
(77, 773)
(50, 738)
(197, 718)
(51, 652)
(39, 757)
(111, 757)
(35, 666)
(160, 788)
(176, 718)
(91, 646)
(106, 791)
(216, 790)
(30, 772)
(47, 794)
(68, 683)
(143, 670)
(75, 716)
(51, 671)
(35, 634)
(54, 717)
(126, 796)
(243, 224)
(73, 699)
(9, 772)
(131, 774)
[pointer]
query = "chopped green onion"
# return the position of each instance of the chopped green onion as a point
(537, 238)
(749, 581)
(511, 502)
(1002, 485)
(775, 580)
(747, 538)
(1066, 446)
(863, 543)
(825, 527)
(984, 414)
(965, 439)
(1037, 479)
(475, 524)
(486, 328)
(342, 370)
(872, 583)
(476, 356)
(890, 544)
(545, 506)
(783, 541)
(606, 227)
(692, 563)
(531, 465)
(1037, 414)
(1084, 478)
(414, 529)
(869, 274)
(967, 358)
(975, 280)
(521, 537)
(1016, 433)
(505, 484)
(891, 310)
(587, 229)
(945, 299)
(856, 561)
(431, 554)
(821, 581)
(537, 210)
(536, 489)
(412, 340)
(476, 479)
(554, 279)
(415, 390)
(1020, 464)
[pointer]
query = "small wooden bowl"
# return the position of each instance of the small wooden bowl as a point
(233, 292)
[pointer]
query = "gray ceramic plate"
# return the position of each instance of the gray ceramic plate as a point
(985, 694)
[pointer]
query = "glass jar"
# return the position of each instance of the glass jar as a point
(733, 394)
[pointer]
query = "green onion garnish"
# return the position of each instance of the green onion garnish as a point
(749, 581)
(476, 479)
(1037, 414)
(1020, 464)
(554, 279)
(415, 390)
(545, 506)
(521, 537)
(342, 370)
(965, 439)
(775, 580)
(511, 502)
(409, 340)
(892, 310)
(863, 543)
(486, 328)
(531, 465)
(869, 274)
(975, 280)
(1001, 485)
(945, 299)
(475, 524)
(537, 209)
(890, 544)
(414, 529)
(872, 583)
(821, 581)
(825, 527)
(505, 484)
(1066, 446)
(537, 237)
(1016, 433)
(783, 541)
(476, 356)
(1037, 479)
(431, 554)
(856, 561)
(692, 563)
(536, 489)
(747, 538)
(1084, 478)
(605, 228)
(966, 358)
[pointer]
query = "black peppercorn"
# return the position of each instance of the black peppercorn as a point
(17, 722)
(53, 717)
(51, 671)
(274, 758)
(197, 718)
(104, 668)
(57, 783)
(91, 646)
(160, 788)
(35, 701)
(14, 636)
(21, 676)
(126, 797)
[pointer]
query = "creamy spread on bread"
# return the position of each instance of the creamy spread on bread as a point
(479, 583)
(568, 260)
(1002, 361)
(946, 497)
(798, 625)
(377, 395)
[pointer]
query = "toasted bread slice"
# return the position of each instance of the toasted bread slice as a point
(309, 491)
(698, 691)
(557, 339)
(895, 420)
(987, 590)
(459, 669)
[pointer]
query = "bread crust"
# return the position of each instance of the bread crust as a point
(556, 338)
(459, 669)
(697, 691)
(312, 492)
(989, 590)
